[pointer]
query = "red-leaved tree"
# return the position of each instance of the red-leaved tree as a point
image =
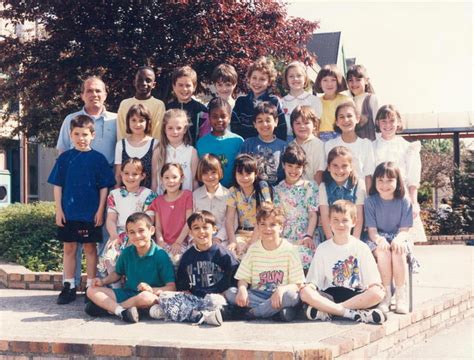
(113, 38)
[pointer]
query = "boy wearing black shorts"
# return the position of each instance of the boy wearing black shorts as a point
(343, 279)
(81, 178)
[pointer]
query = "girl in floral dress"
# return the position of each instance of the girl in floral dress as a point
(121, 203)
(299, 200)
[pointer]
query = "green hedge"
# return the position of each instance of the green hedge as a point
(27, 236)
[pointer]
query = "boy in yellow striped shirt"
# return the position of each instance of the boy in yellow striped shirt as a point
(270, 274)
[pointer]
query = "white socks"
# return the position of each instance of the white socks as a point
(118, 310)
(70, 281)
(349, 314)
(89, 282)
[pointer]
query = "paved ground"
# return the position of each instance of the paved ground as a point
(456, 342)
(33, 315)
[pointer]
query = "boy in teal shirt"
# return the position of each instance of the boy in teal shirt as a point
(147, 269)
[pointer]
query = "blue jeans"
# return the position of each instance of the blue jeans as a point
(260, 302)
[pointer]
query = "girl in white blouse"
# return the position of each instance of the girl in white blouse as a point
(212, 196)
(405, 155)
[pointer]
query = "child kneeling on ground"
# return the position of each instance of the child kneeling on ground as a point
(343, 278)
(272, 269)
(206, 270)
(147, 269)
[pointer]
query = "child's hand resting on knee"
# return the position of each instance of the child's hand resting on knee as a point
(277, 298)
(242, 298)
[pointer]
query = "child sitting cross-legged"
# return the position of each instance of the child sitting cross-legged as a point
(343, 279)
(206, 270)
(147, 270)
(270, 274)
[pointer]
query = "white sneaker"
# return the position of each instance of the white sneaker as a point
(156, 312)
(387, 300)
(315, 314)
(213, 318)
(401, 299)
(372, 316)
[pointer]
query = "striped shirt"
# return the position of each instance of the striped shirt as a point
(265, 270)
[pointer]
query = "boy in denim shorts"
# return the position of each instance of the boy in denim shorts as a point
(81, 178)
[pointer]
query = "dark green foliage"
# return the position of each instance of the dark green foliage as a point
(113, 38)
(27, 236)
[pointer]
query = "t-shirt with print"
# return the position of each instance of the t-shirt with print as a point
(154, 268)
(206, 272)
(124, 203)
(268, 156)
(351, 265)
(226, 148)
(265, 270)
(388, 216)
(246, 206)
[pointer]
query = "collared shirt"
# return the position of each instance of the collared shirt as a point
(315, 157)
(328, 193)
(105, 133)
(215, 203)
(154, 268)
(290, 102)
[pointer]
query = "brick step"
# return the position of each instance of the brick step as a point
(358, 342)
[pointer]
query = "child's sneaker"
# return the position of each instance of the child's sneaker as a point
(156, 312)
(287, 314)
(312, 313)
(372, 316)
(401, 299)
(213, 318)
(67, 294)
(94, 310)
(130, 315)
(384, 305)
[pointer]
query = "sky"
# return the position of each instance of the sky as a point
(418, 54)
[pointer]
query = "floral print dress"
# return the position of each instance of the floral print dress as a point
(297, 201)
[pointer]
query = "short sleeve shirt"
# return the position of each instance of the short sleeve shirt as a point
(246, 206)
(125, 203)
(265, 270)
(388, 216)
(225, 147)
(362, 155)
(172, 214)
(154, 268)
(351, 265)
(81, 175)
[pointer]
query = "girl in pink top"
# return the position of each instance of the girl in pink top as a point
(172, 209)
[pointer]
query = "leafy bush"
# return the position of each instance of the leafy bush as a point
(28, 236)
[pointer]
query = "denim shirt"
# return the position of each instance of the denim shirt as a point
(105, 134)
(344, 192)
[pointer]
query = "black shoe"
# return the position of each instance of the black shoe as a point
(67, 294)
(130, 315)
(287, 314)
(94, 310)
(233, 312)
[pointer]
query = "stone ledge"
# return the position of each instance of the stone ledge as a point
(446, 239)
(362, 341)
(14, 276)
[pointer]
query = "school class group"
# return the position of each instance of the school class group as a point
(303, 206)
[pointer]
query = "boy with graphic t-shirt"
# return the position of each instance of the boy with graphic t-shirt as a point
(205, 271)
(266, 147)
(343, 278)
(270, 274)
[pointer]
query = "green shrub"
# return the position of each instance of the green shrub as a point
(28, 236)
